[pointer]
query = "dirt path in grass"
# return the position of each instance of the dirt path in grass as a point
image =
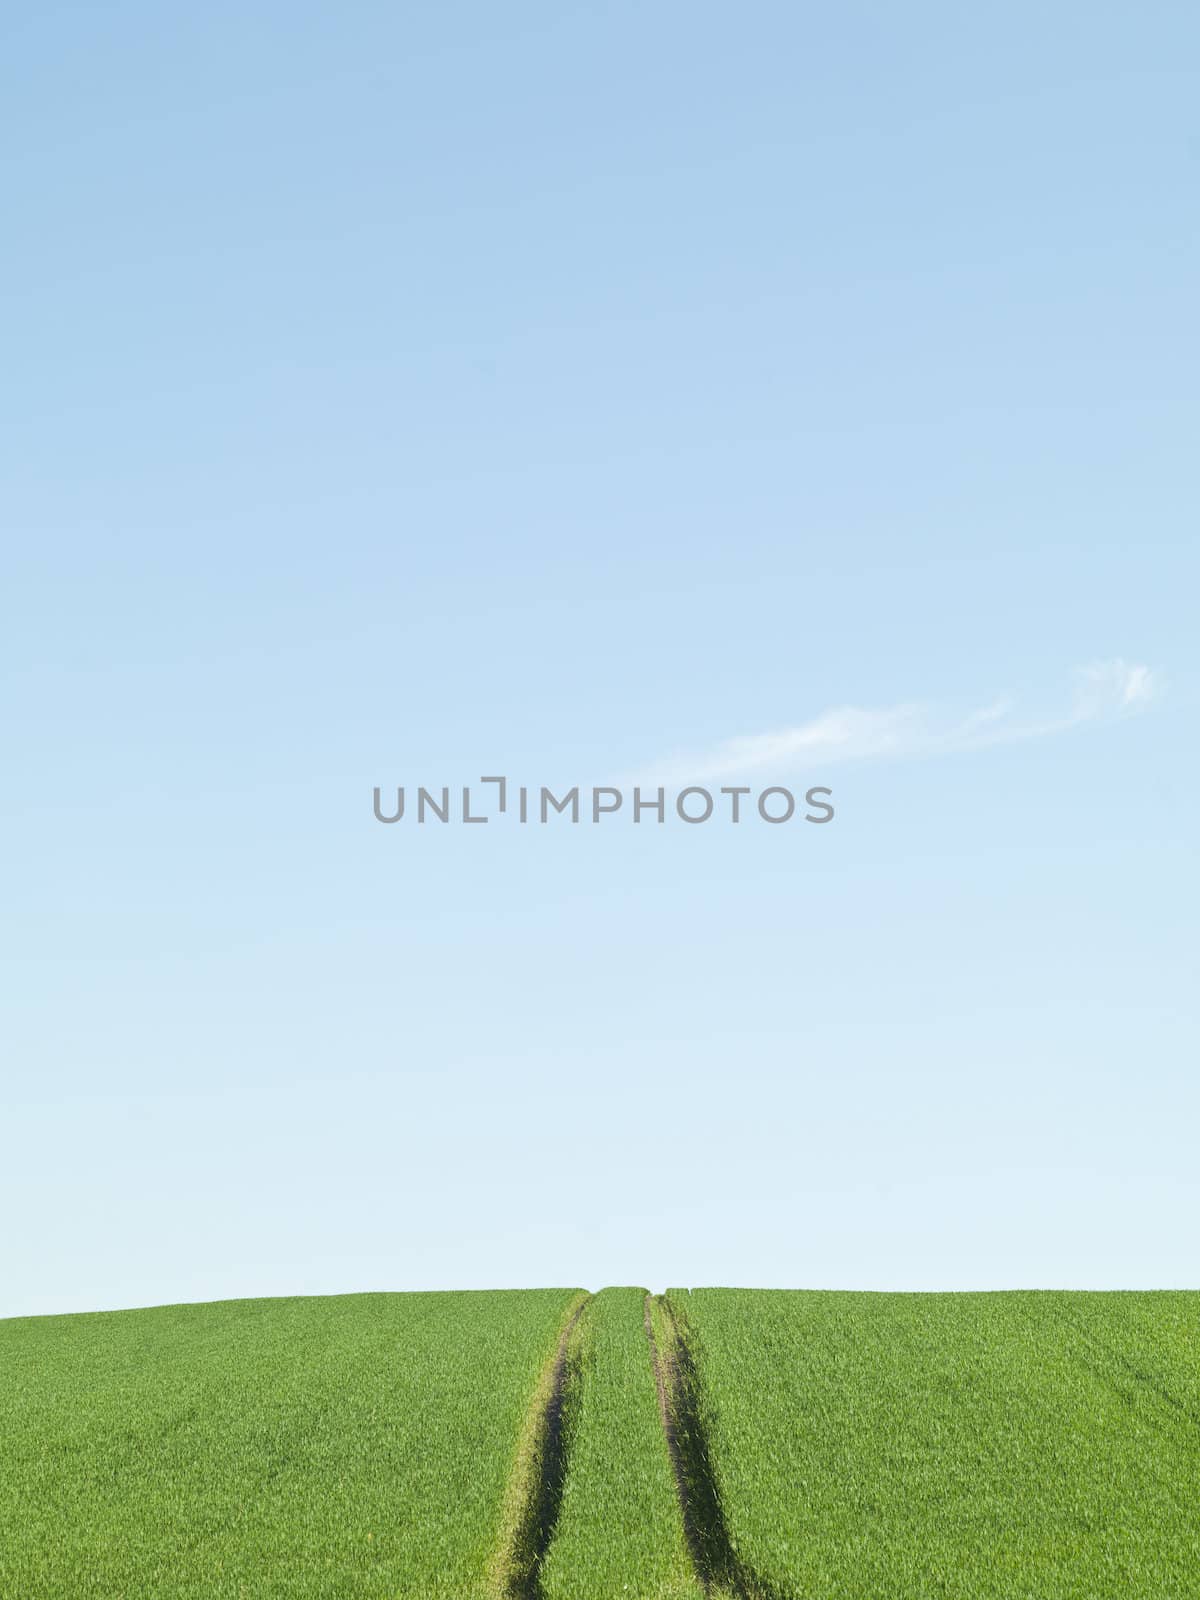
(539, 1473)
(720, 1572)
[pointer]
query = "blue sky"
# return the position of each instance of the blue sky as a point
(399, 396)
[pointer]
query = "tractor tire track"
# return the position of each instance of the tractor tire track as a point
(539, 1473)
(717, 1566)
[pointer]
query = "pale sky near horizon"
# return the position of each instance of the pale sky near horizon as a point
(792, 394)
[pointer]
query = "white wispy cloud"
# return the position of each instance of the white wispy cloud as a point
(1104, 690)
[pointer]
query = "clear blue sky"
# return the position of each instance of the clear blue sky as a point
(397, 394)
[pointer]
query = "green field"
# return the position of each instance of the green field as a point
(548, 1445)
(990, 1445)
(361, 1445)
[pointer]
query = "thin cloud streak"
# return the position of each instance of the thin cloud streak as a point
(1102, 691)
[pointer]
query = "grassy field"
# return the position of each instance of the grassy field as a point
(992, 1446)
(355, 1446)
(548, 1445)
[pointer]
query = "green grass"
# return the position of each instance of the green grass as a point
(619, 1531)
(354, 1446)
(831, 1447)
(968, 1447)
